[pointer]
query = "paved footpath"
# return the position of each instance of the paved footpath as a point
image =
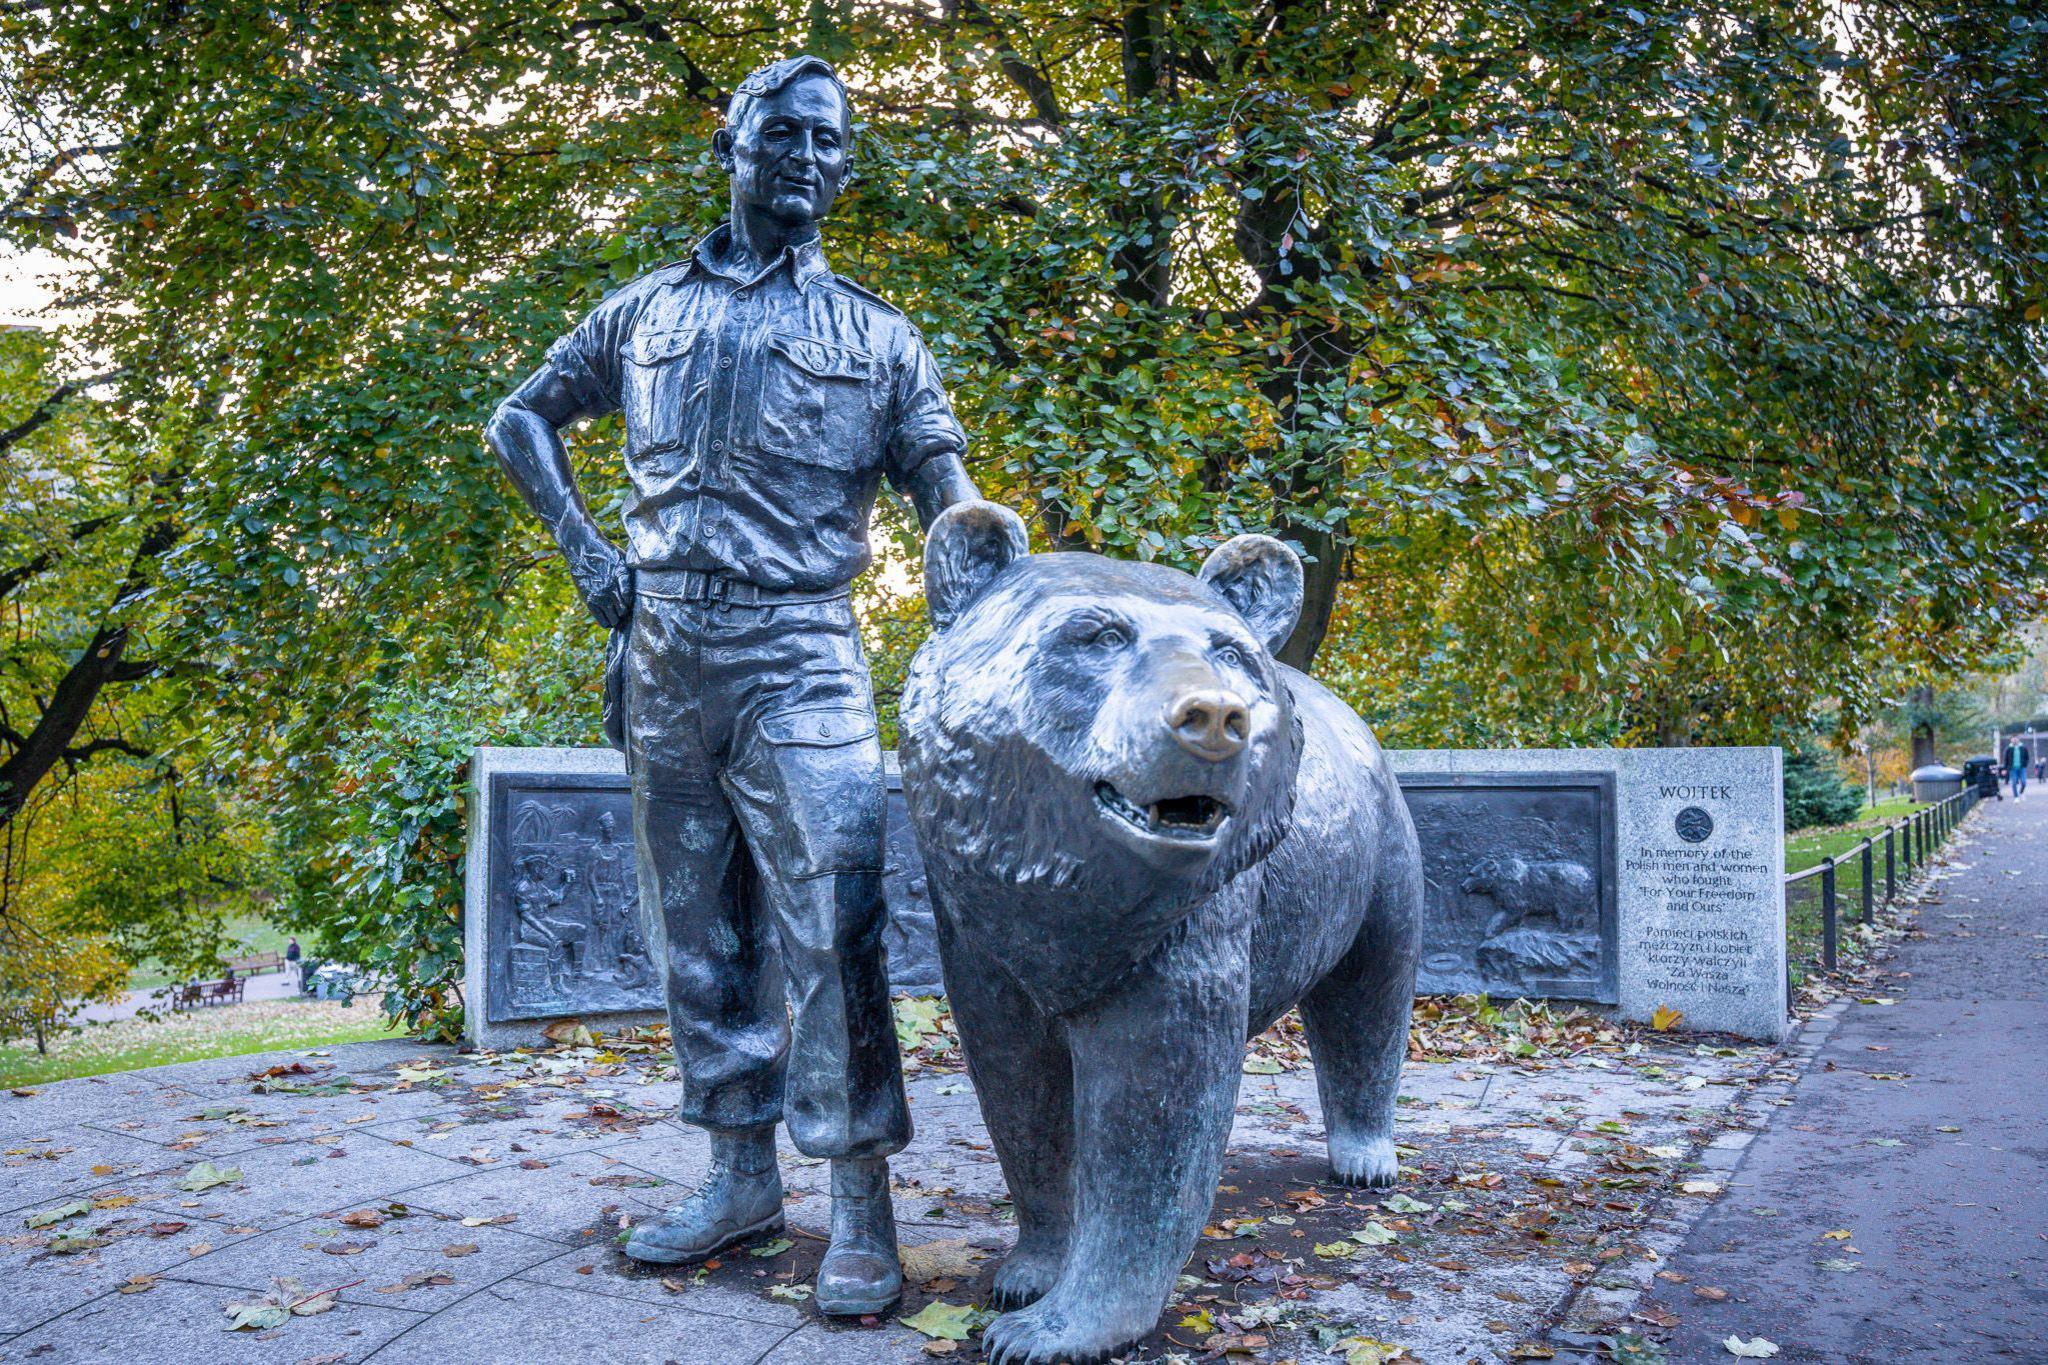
(463, 1208)
(1921, 1132)
(282, 985)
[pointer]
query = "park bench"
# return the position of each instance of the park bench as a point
(256, 962)
(197, 993)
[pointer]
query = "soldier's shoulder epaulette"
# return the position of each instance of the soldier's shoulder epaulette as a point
(864, 294)
(644, 282)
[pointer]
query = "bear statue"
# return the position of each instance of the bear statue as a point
(1145, 840)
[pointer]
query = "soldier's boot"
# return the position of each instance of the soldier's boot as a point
(739, 1197)
(860, 1273)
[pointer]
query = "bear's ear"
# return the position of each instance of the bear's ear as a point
(967, 547)
(1261, 578)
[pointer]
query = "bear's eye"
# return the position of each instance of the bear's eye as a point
(1230, 656)
(1090, 629)
(1109, 635)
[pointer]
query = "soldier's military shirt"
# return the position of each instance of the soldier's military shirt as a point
(760, 413)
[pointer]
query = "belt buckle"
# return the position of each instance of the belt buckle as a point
(718, 591)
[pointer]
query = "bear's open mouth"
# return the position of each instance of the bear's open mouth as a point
(1176, 817)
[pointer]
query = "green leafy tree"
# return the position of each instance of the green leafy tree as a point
(117, 842)
(1682, 314)
(1626, 373)
(48, 974)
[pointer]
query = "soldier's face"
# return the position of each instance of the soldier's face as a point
(789, 153)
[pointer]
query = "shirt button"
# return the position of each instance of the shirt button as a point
(725, 364)
(718, 445)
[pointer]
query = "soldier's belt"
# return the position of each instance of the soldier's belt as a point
(688, 585)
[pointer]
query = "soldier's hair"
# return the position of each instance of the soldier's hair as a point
(778, 76)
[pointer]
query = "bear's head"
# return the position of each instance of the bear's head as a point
(1482, 878)
(1114, 736)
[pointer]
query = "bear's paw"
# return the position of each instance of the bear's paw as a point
(1026, 1275)
(1052, 1333)
(1369, 1163)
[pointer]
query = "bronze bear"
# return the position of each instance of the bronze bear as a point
(1145, 840)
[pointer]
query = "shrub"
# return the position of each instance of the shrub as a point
(1816, 793)
(381, 881)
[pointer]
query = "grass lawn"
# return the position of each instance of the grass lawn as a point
(225, 1031)
(1807, 848)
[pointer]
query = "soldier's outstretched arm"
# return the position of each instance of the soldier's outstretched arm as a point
(526, 435)
(938, 483)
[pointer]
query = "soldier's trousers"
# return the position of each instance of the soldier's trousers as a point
(757, 811)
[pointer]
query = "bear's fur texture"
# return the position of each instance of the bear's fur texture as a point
(1145, 841)
(1563, 892)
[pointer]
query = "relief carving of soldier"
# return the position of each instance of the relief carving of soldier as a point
(608, 885)
(765, 398)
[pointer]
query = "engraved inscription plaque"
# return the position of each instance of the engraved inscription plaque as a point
(1686, 850)
(1518, 883)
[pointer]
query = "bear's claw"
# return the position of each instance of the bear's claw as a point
(1371, 1164)
(1032, 1337)
(1363, 1180)
(1025, 1276)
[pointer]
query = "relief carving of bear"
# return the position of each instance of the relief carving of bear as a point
(1145, 841)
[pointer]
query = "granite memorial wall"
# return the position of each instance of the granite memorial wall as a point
(551, 917)
(1642, 878)
(1634, 878)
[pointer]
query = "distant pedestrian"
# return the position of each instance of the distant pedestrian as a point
(2017, 761)
(291, 951)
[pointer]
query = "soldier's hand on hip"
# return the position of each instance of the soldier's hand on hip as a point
(605, 581)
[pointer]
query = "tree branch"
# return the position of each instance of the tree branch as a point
(71, 702)
(10, 579)
(1026, 77)
(46, 410)
(74, 753)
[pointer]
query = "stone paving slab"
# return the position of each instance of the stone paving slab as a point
(181, 1321)
(581, 1326)
(1530, 1187)
(375, 1262)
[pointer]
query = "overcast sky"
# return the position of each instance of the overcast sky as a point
(25, 285)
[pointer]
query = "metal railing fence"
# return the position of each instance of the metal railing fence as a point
(1902, 846)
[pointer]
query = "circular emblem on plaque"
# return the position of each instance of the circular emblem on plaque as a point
(1693, 824)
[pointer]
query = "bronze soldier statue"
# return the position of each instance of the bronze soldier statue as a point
(764, 399)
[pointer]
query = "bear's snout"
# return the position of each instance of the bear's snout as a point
(1210, 723)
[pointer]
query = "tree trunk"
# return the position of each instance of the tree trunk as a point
(1923, 746)
(70, 706)
(43, 747)
(1923, 731)
(1320, 575)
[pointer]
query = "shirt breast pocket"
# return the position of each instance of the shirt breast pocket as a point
(657, 367)
(820, 402)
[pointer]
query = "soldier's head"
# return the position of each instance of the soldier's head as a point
(787, 138)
